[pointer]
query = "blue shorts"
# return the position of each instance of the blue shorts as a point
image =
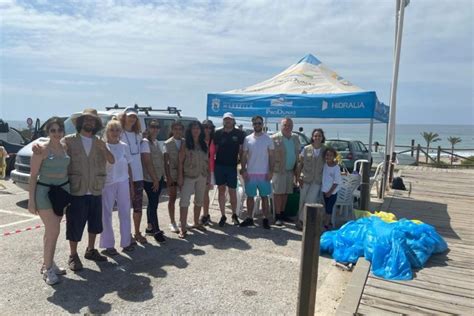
(226, 175)
(258, 182)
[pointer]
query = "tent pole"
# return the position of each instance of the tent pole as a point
(370, 138)
(393, 94)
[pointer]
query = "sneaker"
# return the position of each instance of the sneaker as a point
(247, 222)
(159, 237)
(74, 263)
(56, 269)
(265, 223)
(279, 221)
(174, 228)
(150, 232)
(110, 252)
(129, 248)
(94, 255)
(235, 219)
(205, 220)
(222, 221)
(50, 277)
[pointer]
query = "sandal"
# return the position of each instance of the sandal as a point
(140, 238)
(182, 234)
(200, 227)
(129, 248)
(110, 252)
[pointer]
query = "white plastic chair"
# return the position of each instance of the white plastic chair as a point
(375, 179)
(359, 162)
(345, 197)
(242, 197)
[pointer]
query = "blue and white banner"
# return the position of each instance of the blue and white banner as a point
(357, 105)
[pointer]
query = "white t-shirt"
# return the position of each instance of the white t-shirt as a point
(133, 141)
(178, 144)
(331, 175)
(87, 143)
(118, 172)
(257, 149)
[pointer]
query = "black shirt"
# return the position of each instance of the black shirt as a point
(228, 146)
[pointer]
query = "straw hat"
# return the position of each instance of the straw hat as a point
(92, 113)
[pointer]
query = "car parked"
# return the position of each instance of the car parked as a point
(350, 151)
(165, 117)
(12, 140)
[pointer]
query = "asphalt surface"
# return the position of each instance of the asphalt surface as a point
(228, 270)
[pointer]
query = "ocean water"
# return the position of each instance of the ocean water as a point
(404, 134)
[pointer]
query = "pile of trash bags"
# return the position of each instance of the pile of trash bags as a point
(394, 247)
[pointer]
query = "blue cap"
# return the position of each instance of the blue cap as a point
(130, 110)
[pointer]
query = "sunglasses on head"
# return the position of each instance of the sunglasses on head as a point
(56, 130)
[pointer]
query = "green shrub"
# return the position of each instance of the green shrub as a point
(469, 161)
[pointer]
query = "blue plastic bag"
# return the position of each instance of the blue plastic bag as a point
(326, 242)
(349, 241)
(391, 260)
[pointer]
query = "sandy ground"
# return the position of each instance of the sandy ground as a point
(228, 270)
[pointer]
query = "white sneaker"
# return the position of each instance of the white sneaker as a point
(58, 270)
(174, 228)
(50, 277)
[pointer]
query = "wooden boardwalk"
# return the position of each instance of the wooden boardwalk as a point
(445, 199)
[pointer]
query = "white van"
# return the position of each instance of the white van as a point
(21, 175)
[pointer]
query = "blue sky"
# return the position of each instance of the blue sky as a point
(59, 57)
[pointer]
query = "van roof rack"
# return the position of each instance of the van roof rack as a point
(146, 109)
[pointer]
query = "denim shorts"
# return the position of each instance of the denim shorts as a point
(226, 175)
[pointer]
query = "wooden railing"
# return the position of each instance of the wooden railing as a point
(415, 152)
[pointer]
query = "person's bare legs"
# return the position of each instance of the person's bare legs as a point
(221, 189)
(183, 220)
(51, 233)
(197, 212)
(265, 206)
(250, 206)
(171, 203)
(137, 219)
(233, 200)
(206, 202)
(92, 238)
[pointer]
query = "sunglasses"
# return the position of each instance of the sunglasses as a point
(257, 123)
(54, 130)
(207, 127)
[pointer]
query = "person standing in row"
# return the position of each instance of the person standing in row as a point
(257, 170)
(49, 167)
(153, 163)
(118, 186)
(287, 148)
(209, 139)
(330, 184)
(87, 175)
(171, 150)
(228, 141)
(310, 171)
(132, 137)
(193, 174)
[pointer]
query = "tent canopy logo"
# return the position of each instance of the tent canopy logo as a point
(280, 102)
(216, 104)
(324, 106)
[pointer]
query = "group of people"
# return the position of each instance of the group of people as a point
(91, 177)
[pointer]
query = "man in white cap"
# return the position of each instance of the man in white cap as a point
(228, 141)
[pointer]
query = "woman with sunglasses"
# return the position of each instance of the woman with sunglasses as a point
(209, 139)
(117, 188)
(152, 160)
(132, 137)
(49, 167)
(193, 174)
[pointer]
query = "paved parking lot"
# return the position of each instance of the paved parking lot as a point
(228, 270)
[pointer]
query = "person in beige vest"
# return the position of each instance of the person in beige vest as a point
(310, 171)
(87, 175)
(193, 175)
(287, 148)
(153, 170)
(171, 159)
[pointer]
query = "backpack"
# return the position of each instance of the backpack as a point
(397, 184)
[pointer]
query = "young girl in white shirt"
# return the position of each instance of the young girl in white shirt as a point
(330, 186)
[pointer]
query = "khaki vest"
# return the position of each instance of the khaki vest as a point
(196, 163)
(173, 152)
(86, 173)
(157, 162)
(312, 167)
(280, 153)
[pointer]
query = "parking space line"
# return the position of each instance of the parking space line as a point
(18, 214)
(18, 222)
